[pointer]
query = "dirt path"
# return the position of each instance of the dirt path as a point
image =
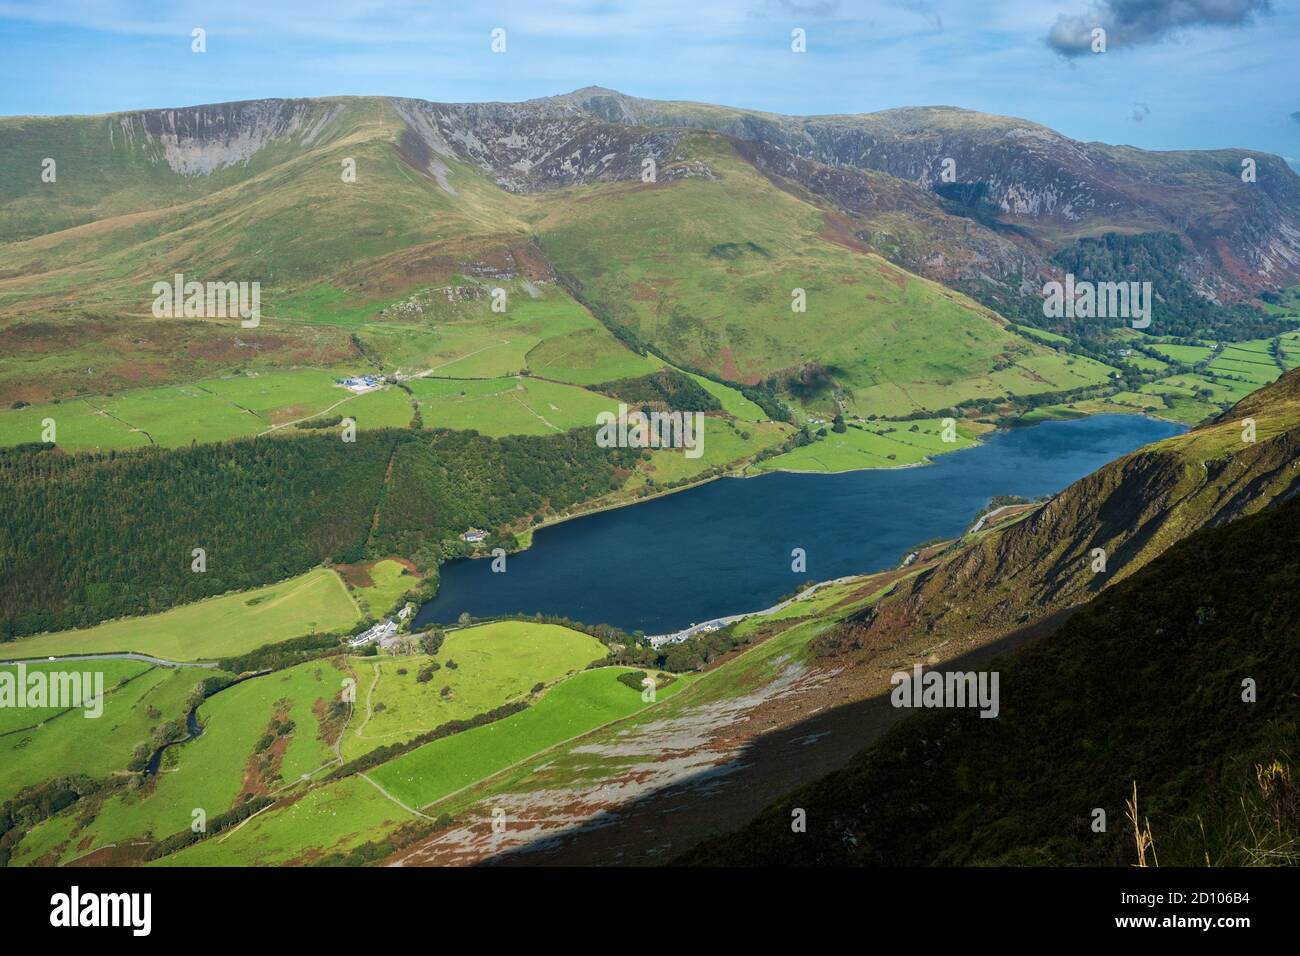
(461, 358)
(372, 783)
(341, 401)
(124, 656)
(369, 697)
(537, 414)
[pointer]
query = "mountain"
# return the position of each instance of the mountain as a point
(1141, 694)
(1031, 184)
(700, 266)
(693, 232)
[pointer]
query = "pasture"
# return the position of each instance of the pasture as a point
(259, 736)
(217, 627)
(495, 664)
(873, 445)
(507, 406)
(576, 706)
(38, 744)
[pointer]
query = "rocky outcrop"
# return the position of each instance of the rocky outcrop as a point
(200, 140)
(527, 149)
(1245, 236)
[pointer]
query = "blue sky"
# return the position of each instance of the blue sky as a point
(1176, 74)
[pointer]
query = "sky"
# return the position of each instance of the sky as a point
(1175, 74)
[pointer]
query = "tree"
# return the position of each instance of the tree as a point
(431, 640)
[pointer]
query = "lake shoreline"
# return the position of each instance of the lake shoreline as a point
(719, 550)
(743, 473)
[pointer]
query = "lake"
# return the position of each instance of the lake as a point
(725, 547)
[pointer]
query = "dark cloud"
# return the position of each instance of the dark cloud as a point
(1296, 116)
(1140, 112)
(1132, 22)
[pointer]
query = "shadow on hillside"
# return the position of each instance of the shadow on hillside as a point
(659, 826)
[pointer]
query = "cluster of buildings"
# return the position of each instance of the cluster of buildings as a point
(474, 535)
(385, 632)
(381, 632)
(362, 383)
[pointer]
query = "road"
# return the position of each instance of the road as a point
(659, 640)
(986, 516)
(112, 657)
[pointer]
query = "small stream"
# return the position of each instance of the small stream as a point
(193, 729)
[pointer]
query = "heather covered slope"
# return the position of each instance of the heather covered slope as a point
(1143, 686)
(1133, 509)
(1243, 237)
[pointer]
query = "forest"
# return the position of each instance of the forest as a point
(90, 537)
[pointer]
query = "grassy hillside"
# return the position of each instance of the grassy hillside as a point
(393, 272)
(490, 665)
(1143, 687)
(37, 744)
(704, 269)
(1132, 509)
(226, 626)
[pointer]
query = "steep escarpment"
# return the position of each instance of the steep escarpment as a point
(910, 225)
(1107, 526)
(1143, 692)
(526, 150)
(65, 171)
(1243, 234)
(199, 140)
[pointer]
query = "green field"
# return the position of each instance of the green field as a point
(227, 760)
(726, 443)
(210, 410)
(387, 581)
(588, 356)
(1146, 363)
(574, 707)
(1187, 354)
(38, 744)
(873, 445)
(495, 663)
(218, 627)
(507, 406)
(542, 331)
(335, 817)
(78, 426)
(733, 403)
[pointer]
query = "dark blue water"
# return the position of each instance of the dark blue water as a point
(725, 547)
